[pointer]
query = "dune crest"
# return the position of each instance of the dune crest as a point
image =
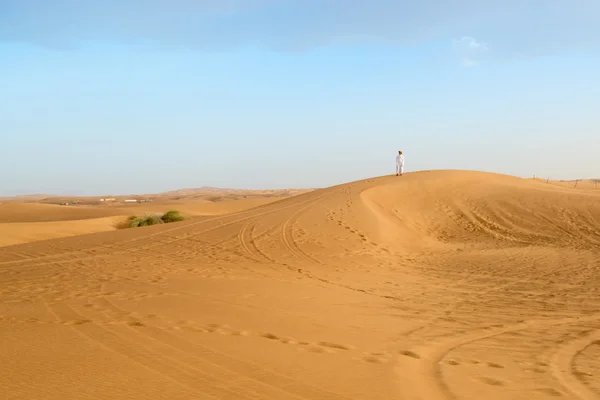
(434, 285)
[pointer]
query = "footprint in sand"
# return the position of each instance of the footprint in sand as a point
(492, 381)
(537, 367)
(288, 340)
(270, 336)
(550, 392)
(373, 359)
(376, 358)
(411, 354)
(77, 322)
(335, 346)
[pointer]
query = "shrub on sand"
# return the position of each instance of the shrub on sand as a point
(147, 220)
(172, 216)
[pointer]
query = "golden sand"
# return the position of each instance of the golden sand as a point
(433, 285)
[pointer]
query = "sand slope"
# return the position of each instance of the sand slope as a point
(34, 212)
(29, 222)
(434, 285)
(194, 208)
(25, 232)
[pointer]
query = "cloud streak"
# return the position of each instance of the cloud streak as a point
(515, 29)
(470, 50)
(469, 43)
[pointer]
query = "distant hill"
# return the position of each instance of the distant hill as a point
(204, 193)
(26, 197)
(200, 190)
(208, 191)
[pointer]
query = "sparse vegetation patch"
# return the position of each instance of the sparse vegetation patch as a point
(154, 219)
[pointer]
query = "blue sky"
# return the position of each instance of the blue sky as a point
(147, 96)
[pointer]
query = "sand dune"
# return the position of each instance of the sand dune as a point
(28, 222)
(25, 232)
(580, 184)
(34, 212)
(207, 194)
(434, 285)
(194, 208)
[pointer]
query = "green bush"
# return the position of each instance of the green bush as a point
(147, 220)
(172, 216)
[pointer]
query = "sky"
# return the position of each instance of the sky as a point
(115, 97)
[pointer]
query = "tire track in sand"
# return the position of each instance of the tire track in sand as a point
(287, 233)
(118, 249)
(564, 369)
(420, 372)
(247, 242)
(248, 378)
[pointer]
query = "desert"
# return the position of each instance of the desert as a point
(25, 219)
(299, 200)
(433, 285)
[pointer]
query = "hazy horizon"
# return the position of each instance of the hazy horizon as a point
(109, 98)
(258, 189)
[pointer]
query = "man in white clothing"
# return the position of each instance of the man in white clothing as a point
(399, 163)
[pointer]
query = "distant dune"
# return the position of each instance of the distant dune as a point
(203, 207)
(207, 190)
(207, 193)
(33, 212)
(27, 197)
(24, 232)
(436, 285)
(580, 184)
(26, 222)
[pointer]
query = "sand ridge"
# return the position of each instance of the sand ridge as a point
(25, 232)
(28, 222)
(435, 285)
(14, 212)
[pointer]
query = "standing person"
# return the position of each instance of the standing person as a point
(399, 164)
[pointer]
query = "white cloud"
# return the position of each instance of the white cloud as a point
(470, 50)
(468, 63)
(516, 28)
(470, 44)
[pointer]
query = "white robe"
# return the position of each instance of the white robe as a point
(400, 164)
